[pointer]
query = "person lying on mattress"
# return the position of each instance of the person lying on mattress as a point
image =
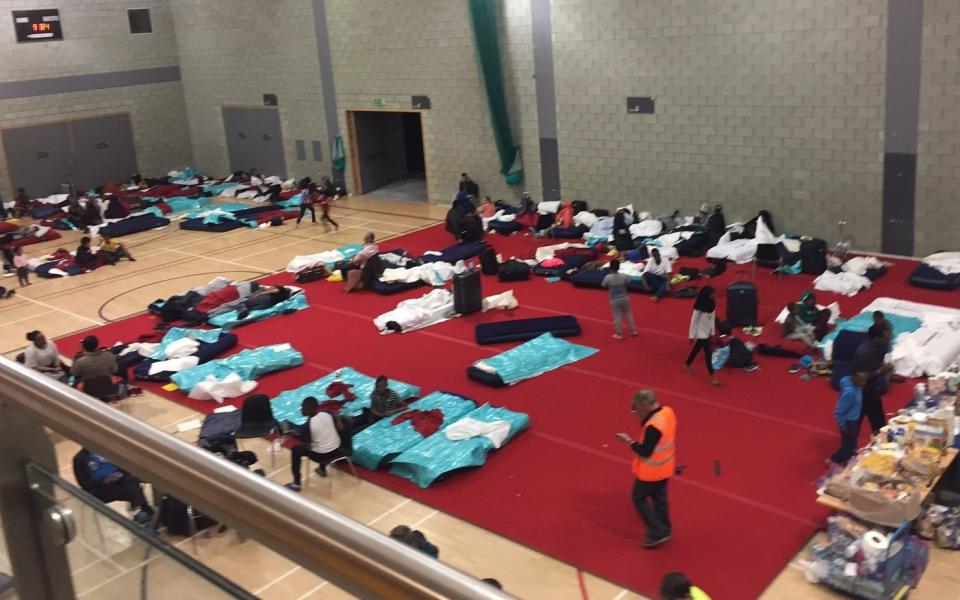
(487, 208)
(809, 314)
(114, 250)
(384, 401)
(320, 441)
(351, 270)
(265, 297)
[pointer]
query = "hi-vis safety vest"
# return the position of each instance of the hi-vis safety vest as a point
(662, 462)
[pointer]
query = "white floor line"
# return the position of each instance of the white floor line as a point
(222, 260)
(389, 512)
(424, 520)
(259, 591)
(300, 241)
(46, 312)
(621, 595)
(101, 557)
(314, 590)
(66, 312)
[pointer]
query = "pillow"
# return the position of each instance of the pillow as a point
(546, 208)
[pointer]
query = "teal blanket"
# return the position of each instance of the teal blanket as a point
(863, 321)
(250, 365)
(232, 319)
(178, 333)
(383, 439)
(437, 455)
(536, 357)
(286, 406)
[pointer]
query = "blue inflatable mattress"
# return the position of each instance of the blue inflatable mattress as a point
(526, 329)
(594, 279)
(439, 456)
(925, 276)
(379, 443)
(206, 352)
(455, 253)
(134, 225)
(394, 287)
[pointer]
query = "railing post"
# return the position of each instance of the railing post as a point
(40, 568)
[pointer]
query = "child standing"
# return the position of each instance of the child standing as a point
(306, 202)
(20, 262)
(325, 211)
(847, 415)
(616, 284)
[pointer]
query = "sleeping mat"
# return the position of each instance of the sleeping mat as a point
(377, 444)
(209, 348)
(438, 455)
(134, 224)
(862, 322)
(539, 355)
(286, 406)
(248, 365)
(232, 319)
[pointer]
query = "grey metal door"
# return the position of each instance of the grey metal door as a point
(39, 157)
(254, 139)
(104, 150)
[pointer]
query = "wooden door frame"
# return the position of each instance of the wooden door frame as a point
(352, 143)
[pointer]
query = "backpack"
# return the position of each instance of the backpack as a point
(740, 355)
(176, 516)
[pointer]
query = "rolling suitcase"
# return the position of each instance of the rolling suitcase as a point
(742, 303)
(467, 297)
(514, 270)
(813, 256)
(488, 261)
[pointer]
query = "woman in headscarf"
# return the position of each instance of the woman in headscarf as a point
(809, 314)
(703, 325)
(622, 239)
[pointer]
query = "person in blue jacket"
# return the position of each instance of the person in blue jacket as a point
(847, 415)
(109, 483)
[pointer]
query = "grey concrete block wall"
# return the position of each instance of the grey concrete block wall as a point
(394, 50)
(97, 40)
(232, 52)
(774, 104)
(938, 160)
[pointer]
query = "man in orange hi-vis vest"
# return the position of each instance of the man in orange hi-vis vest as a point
(653, 464)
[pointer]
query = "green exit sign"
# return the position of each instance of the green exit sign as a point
(378, 101)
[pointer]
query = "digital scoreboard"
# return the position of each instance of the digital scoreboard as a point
(41, 25)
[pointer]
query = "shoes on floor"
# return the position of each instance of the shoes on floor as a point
(294, 487)
(321, 471)
(654, 542)
(633, 333)
(795, 368)
(617, 336)
(751, 368)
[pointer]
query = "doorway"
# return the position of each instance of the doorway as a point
(254, 140)
(387, 154)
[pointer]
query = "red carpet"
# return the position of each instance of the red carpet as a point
(752, 448)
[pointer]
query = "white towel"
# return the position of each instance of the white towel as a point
(466, 428)
(181, 348)
(175, 364)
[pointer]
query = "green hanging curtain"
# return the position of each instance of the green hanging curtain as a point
(337, 155)
(483, 16)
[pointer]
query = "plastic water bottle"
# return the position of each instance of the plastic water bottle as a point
(919, 394)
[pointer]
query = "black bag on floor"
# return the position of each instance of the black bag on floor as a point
(544, 221)
(813, 256)
(467, 295)
(718, 268)
(312, 274)
(488, 261)
(176, 516)
(742, 303)
(740, 355)
(513, 270)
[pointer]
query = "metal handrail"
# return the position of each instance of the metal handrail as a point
(349, 554)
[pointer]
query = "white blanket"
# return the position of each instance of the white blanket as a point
(431, 308)
(466, 428)
(928, 350)
(174, 364)
(546, 208)
(181, 348)
(848, 284)
(230, 386)
(585, 218)
(435, 273)
(504, 301)
(947, 263)
(302, 263)
(861, 264)
(647, 228)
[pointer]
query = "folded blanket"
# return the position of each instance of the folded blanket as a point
(538, 356)
(223, 378)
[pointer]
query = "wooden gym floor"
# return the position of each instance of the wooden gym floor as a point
(108, 564)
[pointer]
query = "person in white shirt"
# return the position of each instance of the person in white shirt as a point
(656, 275)
(323, 442)
(703, 324)
(42, 355)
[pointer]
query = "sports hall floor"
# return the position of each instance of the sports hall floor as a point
(171, 260)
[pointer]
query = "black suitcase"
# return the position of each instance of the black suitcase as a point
(467, 296)
(312, 274)
(742, 303)
(488, 261)
(813, 256)
(514, 270)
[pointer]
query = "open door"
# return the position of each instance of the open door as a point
(387, 154)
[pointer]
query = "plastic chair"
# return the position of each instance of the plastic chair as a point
(256, 421)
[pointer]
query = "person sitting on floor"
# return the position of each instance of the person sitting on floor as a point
(415, 539)
(656, 275)
(114, 250)
(702, 215)
(622, 240)
(384, 401)
(795, 329)
(676, 586)
(564, 215)
(487, 208)
(22, 203)
(93, 362)
(91, 214)
(84, 257)
(109, 483)
(452, 222)
(43, 355)
(321, 441)
(527, 205)
(468, 186)
(470, 227)
(808, 313)
(353, 269)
